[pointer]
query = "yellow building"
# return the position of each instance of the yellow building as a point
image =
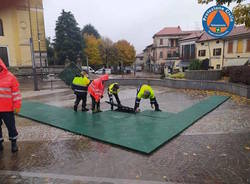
(16, 23)
(232, 50)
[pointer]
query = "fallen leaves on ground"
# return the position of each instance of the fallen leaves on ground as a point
(203, 93)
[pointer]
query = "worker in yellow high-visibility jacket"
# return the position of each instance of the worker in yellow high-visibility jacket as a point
(146, 92)
(114, 90)
(80, 87)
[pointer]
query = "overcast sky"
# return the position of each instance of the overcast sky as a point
(134, 20)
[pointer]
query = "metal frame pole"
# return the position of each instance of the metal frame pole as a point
(32, 52)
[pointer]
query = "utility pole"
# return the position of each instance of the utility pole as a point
(32, 52)
(39, 40)
(87, 64)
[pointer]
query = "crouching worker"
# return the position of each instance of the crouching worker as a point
(96, 91)
(10, 103)
(145, 92)
(80, 87)
(113, 90)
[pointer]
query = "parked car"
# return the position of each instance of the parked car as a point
(138, 68)
(90, 69)
(128, 70)
(103, 70)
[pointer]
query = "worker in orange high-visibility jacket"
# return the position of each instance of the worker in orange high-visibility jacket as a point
(96, 90)
(10, 103)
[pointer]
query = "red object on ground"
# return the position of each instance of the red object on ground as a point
(96, 87)
(10, 96)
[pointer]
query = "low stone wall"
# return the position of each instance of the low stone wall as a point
(27, 71)
(238, 89)
(203, 74)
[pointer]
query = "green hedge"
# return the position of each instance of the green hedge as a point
(237, 74)
(195, 65)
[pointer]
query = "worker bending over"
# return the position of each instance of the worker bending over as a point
(80, 87)
(145, 92)
(96, 91)
(114, 90)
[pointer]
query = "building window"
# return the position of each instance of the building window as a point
(230, 47)
(186, 51)
(202, 43)
(248, 45)
(217, 41)
(240, 46)
(192, 54)
(172, 43)
(218, 66)
(4, 55)
(1, 27)
(161, 54)
(217, 52)
(161, 41)
(202, 53)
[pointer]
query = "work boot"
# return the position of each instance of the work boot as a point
(14, 147)
(94, 111)
(1, 146)
(85, 109)
(75, 108)
(159, 110)
(99, 110)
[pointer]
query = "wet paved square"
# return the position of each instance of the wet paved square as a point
(216, 149)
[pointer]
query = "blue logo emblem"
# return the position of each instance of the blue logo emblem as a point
(218, 21)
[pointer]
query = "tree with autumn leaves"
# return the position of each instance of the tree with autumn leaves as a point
(126, 52)
(105, 52)
(71, 42)
(92, 51)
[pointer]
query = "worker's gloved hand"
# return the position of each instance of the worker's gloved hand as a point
(152, 106)
(137, 110)
(17, 110)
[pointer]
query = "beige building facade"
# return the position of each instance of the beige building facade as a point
(233, 50)
(16, 23)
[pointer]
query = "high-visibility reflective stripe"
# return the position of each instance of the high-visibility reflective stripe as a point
(77, 90)
(1, 139)
(16, 93)
(5, 96)
(91, 85)
(13, 138)
(17, 98)
(80, 85)
(5, 89)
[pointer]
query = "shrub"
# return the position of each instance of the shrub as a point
(179, 75)
(195, 65)
(237, 74)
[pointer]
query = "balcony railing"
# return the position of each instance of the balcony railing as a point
(173, 55)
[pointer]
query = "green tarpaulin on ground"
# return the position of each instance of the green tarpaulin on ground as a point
(143, 132)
